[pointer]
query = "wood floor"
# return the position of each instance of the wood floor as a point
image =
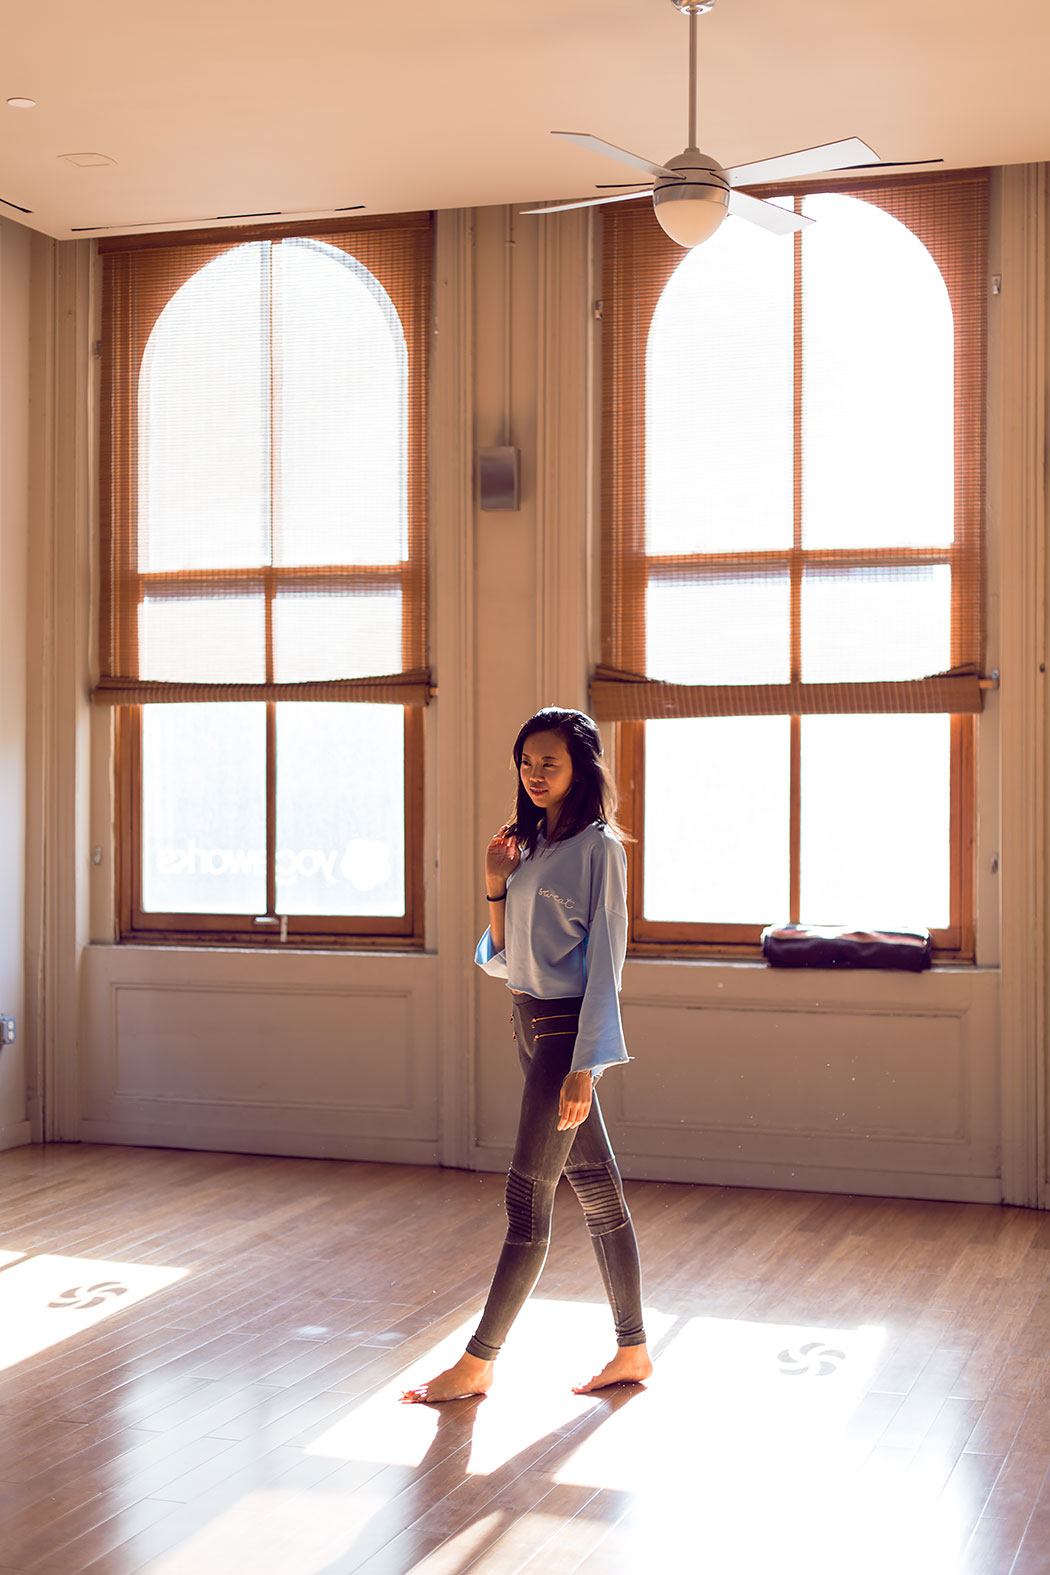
(200, 1356)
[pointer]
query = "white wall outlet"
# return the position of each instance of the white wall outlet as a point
(7, 1030)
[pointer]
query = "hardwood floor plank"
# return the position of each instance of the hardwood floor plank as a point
(532, 1529)
(998, 1425)
(58, 1519)
(1009, 1508)
(229, 1528)
(82, 1549)
(246, 1416)
(462, 1497)
(1033, 1556)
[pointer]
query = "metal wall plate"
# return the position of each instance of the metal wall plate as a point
(499, 478)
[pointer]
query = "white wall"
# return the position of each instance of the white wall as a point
(879, 1084)
(14, 534)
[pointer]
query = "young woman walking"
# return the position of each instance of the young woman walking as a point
(556, 882)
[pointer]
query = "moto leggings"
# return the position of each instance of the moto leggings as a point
(545, 1033)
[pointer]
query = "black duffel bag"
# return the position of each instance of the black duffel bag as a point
(829, 946)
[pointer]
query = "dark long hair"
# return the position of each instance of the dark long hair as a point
(592, 796)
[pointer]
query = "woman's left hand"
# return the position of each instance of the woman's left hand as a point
(575, 1103)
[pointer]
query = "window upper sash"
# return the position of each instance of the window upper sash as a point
(948, 215)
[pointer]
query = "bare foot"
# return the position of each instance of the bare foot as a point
(630, 1365)
(469, 1376)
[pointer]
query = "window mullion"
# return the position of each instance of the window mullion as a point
(271, 707)
(271, 808)
(795, 809)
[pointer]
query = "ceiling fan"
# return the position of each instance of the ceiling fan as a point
(692, 193)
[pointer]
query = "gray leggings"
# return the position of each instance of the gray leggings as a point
(545, 1032)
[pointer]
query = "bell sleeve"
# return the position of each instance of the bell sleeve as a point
(599, 1038)
(488, 958)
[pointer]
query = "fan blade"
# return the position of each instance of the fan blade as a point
(584, 139)
(807, 161)
(590, 202)
(771, 217)
(618, 185)
(892, 164)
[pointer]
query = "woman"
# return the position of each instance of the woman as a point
(555, 880)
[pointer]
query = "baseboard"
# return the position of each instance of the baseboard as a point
(16, 1135)
(868, 1183)
(235, 1140)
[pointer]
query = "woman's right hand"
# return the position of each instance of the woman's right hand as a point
(502, 857)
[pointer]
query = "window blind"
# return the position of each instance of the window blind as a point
(792, 470)
(264, 464)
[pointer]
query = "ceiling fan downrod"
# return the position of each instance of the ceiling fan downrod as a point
(693, 9)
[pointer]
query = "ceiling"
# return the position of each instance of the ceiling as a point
(255, 106)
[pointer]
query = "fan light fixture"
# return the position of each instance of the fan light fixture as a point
(692, 193)
(691, 221)
(692, 204)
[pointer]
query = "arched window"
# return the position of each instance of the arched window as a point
(264, 577)
(229, 477)
(792, 555)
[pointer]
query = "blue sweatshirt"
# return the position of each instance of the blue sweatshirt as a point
(566, 935)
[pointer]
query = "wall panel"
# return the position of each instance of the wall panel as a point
(325, 1055)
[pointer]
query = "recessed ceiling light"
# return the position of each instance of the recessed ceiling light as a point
(87, 161)
(21, 103)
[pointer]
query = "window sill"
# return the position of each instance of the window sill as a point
(268, 946)
(759, 965)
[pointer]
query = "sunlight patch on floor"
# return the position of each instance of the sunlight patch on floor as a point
(727, 1393)
(802, 1514)
(7, 1258)
(553, 1345)
(46, 1299)
(278, 1531)
(752, 1447)
(381, 1428)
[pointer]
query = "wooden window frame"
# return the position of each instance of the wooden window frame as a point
(322, 931)
(741, 942)
(955, 942)
(368, 931)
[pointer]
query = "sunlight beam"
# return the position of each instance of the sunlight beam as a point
(46, 1299)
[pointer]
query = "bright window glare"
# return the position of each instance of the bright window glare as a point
(719, 392)
(203, 421)
(343, 364)
(716, 819)
(335, 436)
(877, 383)
(327, 635)
(719, 629)
(204, 808)
(201, 639)
(876, 820)
(340, 808)
(864, 624)
(45, 1299)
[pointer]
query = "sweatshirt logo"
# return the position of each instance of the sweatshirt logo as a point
(564, 902)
